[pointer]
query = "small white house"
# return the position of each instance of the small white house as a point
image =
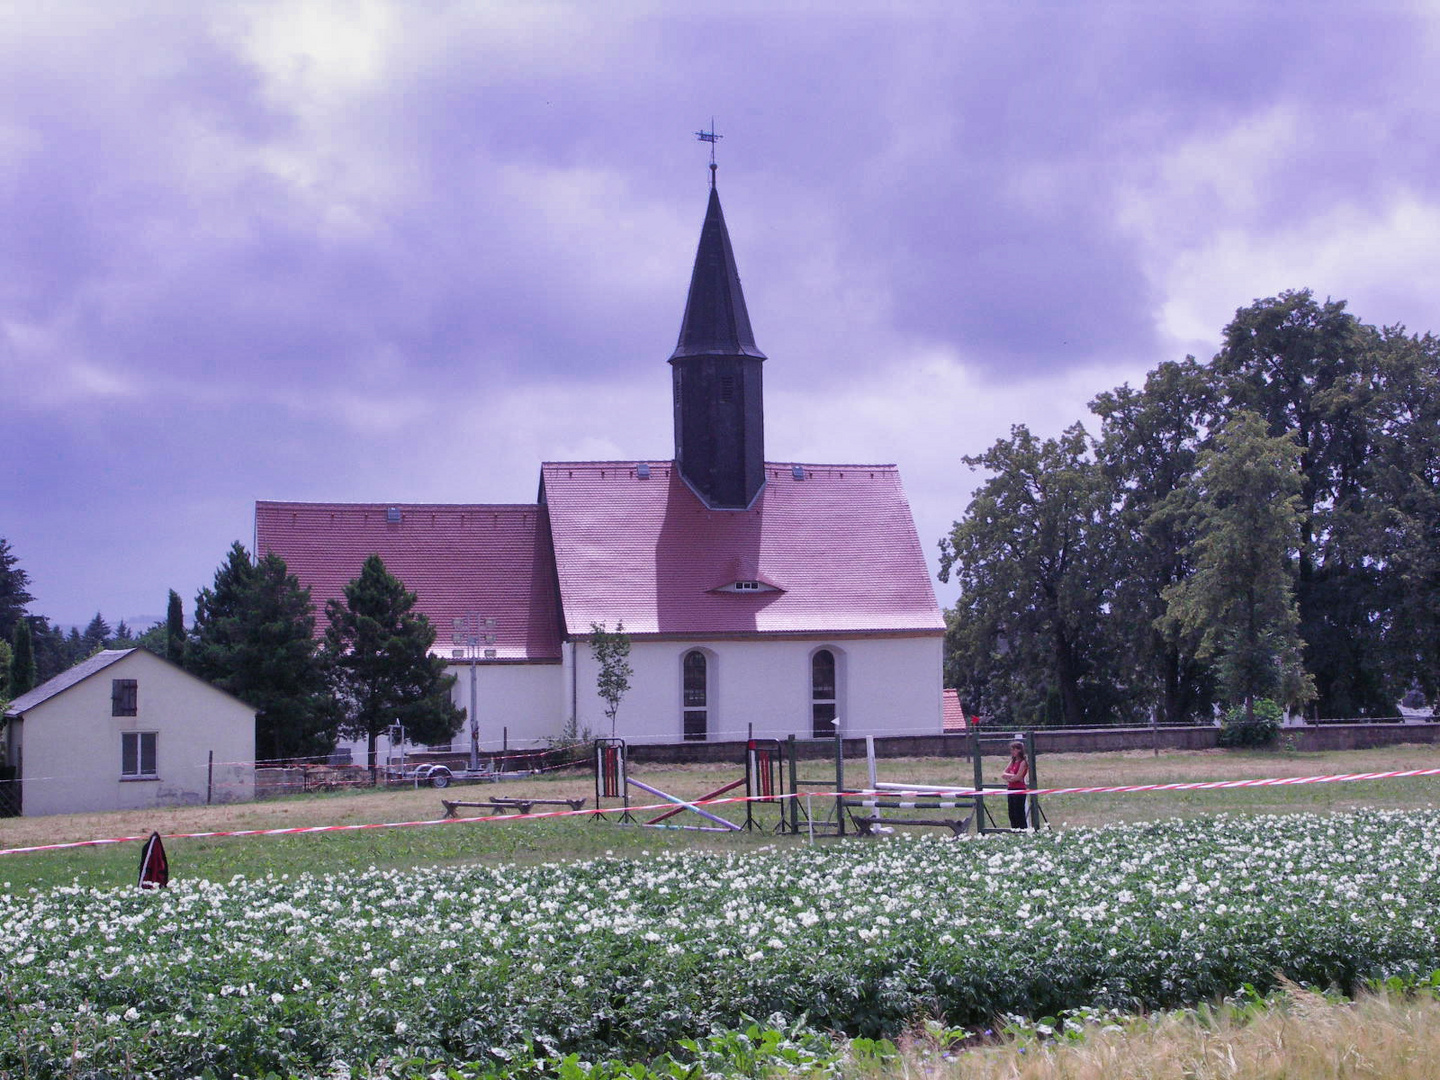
(128, 730)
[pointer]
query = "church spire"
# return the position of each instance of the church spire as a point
(716, 322)
(719, 412)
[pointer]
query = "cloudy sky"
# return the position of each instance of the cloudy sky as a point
(404, 250)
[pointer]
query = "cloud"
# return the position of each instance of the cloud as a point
(368, 249)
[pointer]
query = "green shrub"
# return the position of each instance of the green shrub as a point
(1237, 729)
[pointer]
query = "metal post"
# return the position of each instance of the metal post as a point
(794, 807)
(839, 780)
(209, 777)
(474, 718)
(979, 784)
(1032, 804)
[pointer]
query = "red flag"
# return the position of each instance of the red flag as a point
(154, 867)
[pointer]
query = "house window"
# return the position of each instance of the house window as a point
(124, 697)
(137, 755)
(695, 696)
(822, 695)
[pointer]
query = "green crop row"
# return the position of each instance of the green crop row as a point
(313, 975)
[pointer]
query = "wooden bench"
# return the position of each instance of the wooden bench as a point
(505, 804)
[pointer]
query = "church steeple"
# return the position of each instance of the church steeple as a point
(719, 413)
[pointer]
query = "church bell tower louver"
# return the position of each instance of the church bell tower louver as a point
(716, 378)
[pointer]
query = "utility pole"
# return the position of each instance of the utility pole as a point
(474, 631)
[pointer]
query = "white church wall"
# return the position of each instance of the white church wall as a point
(527, 699)
(885, 686)
(520, 705)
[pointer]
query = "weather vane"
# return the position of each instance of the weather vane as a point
(712, 139)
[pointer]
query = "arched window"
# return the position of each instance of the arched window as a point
(822, 694)
(694, 695)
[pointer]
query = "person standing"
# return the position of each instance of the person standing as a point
(1016, 777)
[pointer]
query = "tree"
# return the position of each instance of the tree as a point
(22, 661)
(1309, 368)
(378, 653)
(1403, 511)
(254, 637)
(611, 651)
(52, 653)
(7, 658)
(1024, 634)
(14, 591)
(1245, 501)
(175, 630)
(96, 636)
(1148, 443)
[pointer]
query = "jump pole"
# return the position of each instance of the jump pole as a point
(708, 795)
(683, 804)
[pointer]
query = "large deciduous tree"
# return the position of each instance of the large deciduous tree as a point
(1246, 505)
(1403, 511)
(1022, 636)
(1146, 450)
(254, 637)
(1309, 368)
(377, 650)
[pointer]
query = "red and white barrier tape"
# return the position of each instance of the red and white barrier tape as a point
(915, 792)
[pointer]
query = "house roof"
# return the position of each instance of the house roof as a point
(839, 546)
(716, 322)
(952, 711)
(493, 560)
(66, 679)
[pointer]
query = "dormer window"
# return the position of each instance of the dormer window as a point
(748, 585)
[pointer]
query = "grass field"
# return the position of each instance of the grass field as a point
(547, 840)
(1297, 1036)
(1300, 1035)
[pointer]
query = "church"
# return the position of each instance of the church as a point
(764, 597)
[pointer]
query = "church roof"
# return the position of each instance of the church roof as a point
(486, 559)
(835, 552)
(716, 322)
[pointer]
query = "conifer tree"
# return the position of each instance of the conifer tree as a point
(22, 661)
(175, 630)
(254, 637)
(96, 636)
(378, 654)
(14, 591)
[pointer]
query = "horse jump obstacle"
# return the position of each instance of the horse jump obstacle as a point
(914, 796)
(613, 781)
(505, 804)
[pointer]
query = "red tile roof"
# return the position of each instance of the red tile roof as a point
(840, 545)
(494, 560)
(954, 714)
